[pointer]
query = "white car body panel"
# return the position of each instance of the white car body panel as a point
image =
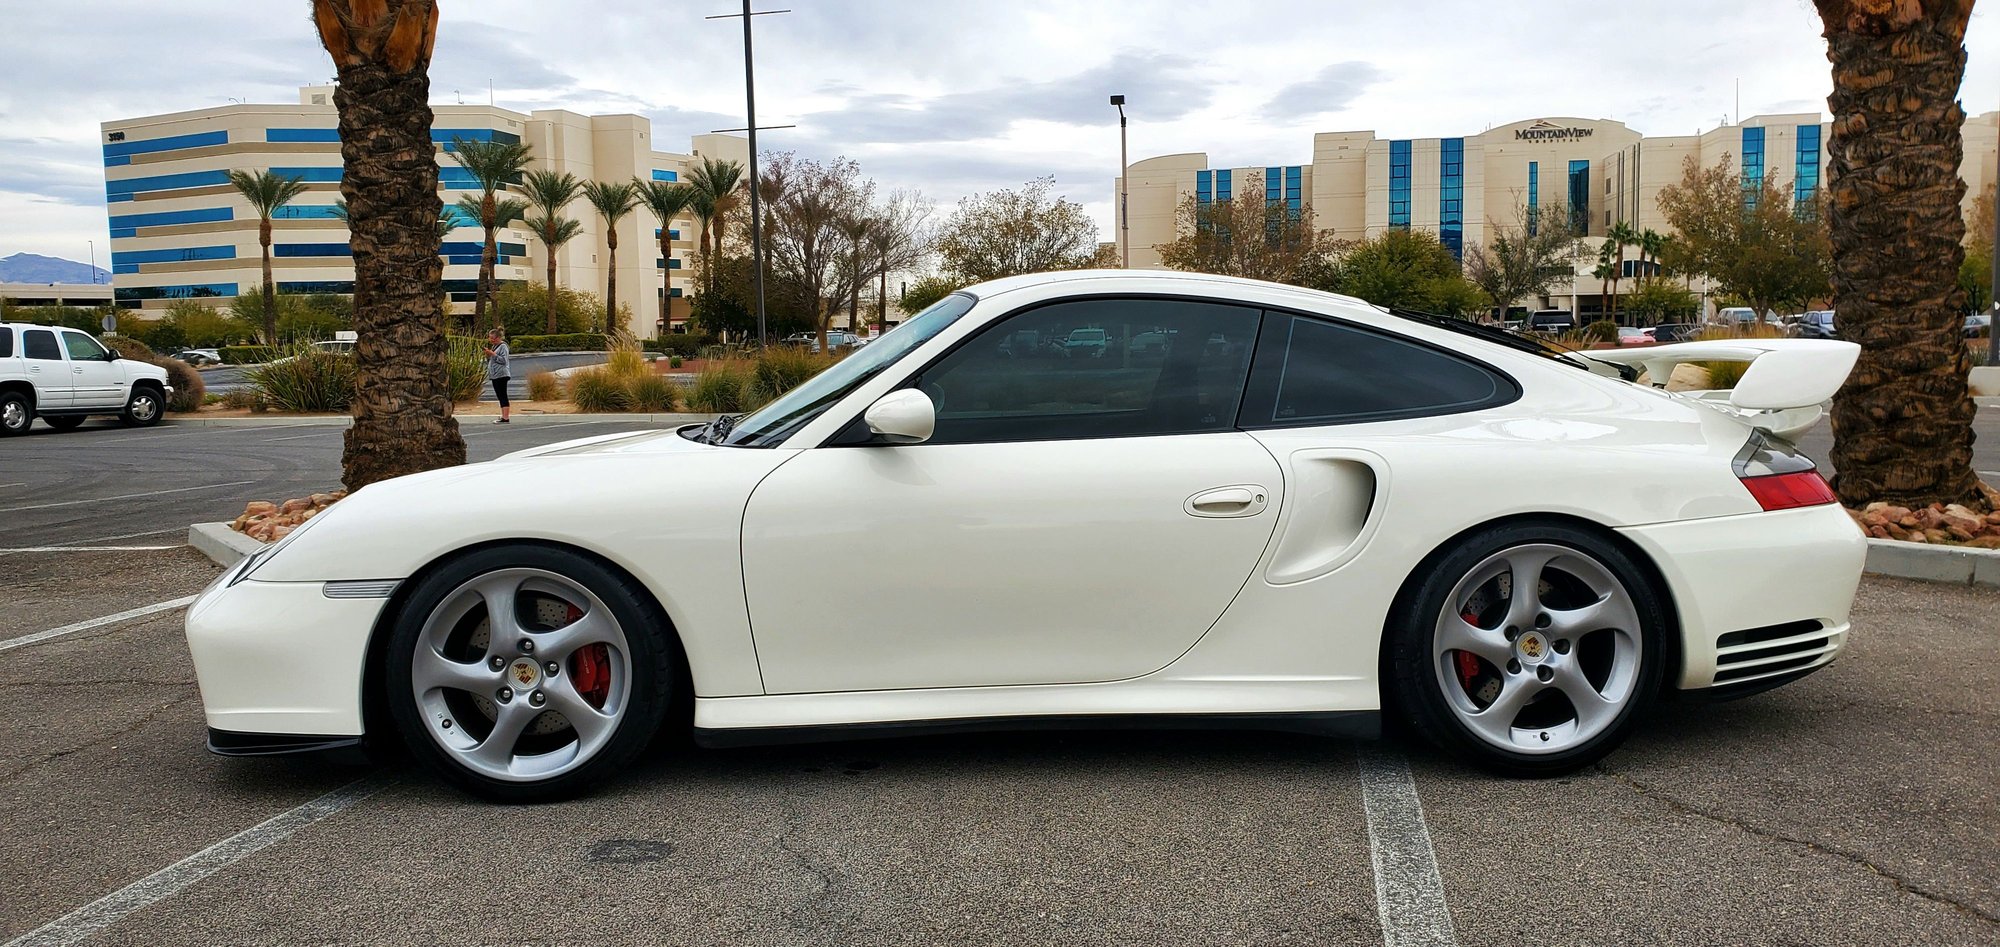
(1161, 610)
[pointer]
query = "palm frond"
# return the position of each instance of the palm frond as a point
(553, 232)
(549, 191)
(266, 191)
(493, 163)
(666, 199)
(612, 199)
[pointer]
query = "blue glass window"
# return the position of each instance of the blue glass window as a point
(663, 175)
(313, 175)
(443, 136)
(311, 212)
(1579, 196)
(122, 190)
(1534, 196)
(184, 291)
(302, 134)
(656, 234)
(127, 261)
(673, 264)
(1222, 185)
(130, 222)
(1753, 165)
(1399, 184)
(311, 249)
(1294, 194)
(1274, 185)
(124, 149)
(1451, 194)
(1806, 165)
(1203, 186)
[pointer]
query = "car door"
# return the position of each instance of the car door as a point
(94, 381)
(1070, 520)
(48, 370)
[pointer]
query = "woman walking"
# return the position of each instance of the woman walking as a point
(497, 369)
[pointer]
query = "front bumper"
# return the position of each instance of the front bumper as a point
(1760, 597)
(280, 659)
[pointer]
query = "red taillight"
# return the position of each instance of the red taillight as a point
(1790, 490)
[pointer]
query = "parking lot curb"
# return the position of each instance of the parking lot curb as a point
(1954, 564)
(222, 544)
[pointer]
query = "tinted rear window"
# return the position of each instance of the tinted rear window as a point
(40, 343)
(6, 342)
(1310, 371)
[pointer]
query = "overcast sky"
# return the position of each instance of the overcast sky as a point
(946, 97)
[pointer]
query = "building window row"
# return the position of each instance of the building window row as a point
(1451, 195)
(661, 174)
(1806, 165)
(1753, 165)
(134, 294)
(1399, 184)
(119, 151)
(1579, 196)
(126, 225)
(1534, 196)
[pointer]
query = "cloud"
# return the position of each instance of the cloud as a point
(1333, 89)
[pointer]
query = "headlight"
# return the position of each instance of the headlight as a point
(267, 553)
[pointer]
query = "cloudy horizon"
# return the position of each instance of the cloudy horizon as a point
(946, 99)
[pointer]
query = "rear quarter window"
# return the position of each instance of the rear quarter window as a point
(40, 343)
(6, 342)
(1312, 371)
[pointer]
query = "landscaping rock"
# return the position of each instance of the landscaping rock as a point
(269, 522)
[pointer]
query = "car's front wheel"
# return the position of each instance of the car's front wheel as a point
(1529, 649)
(144, 408)
(528, 673)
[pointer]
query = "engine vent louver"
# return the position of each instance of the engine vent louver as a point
(1772, 649)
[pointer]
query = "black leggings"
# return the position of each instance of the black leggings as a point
(500, 390)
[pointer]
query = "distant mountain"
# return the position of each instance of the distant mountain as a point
(35, 268)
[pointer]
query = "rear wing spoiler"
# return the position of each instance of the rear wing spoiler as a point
(1782, 390)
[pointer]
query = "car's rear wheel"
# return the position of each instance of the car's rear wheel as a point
(16, 413)
(63, 422)
(145, 407)
(1529, 649)
(528, 673)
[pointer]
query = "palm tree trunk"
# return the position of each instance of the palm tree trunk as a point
(552, 289)
(1902, 425)
(611, 284)
(882, 302)
(489, 257)
(666, 278)
(402, 406)
(270, 289)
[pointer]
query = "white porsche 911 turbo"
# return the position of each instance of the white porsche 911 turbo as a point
(1254, 505)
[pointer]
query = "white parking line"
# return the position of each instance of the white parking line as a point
(297, 437)
(125, 615)
(80, 924)
(128, 496)
(1409, 894)
(86, 549)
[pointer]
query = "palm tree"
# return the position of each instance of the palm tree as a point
(613, 200)
(494, 164)
(1902, 424)
(667, 200)
(716, 181)
(856, 227)
(550, 192)
(1651, 242)
(267, 193)
(402, 403)
(1620, 235)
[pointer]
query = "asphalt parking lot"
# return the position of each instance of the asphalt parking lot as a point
(1861, 805)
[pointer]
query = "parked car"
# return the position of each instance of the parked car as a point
(1551, 321)
(1675, 332)
(1628, 335)
(1736, 317)
(835, 341)
(199, 358)
(64, 375)
(1086, 343)
(799, 338)
(1977, 323)
(1817, 324)
(1208, 536)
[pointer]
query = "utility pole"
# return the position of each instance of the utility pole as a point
(1993, 308)
(756, 200)
(1124, 190)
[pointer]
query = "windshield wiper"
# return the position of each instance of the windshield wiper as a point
(714, 431)
(1511, 340)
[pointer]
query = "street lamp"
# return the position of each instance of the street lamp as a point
(1124, 190)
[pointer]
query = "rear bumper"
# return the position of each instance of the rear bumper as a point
(1760, 597)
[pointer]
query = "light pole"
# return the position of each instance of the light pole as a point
(93, 261)
(1993, 310)
(756, 204)
(1124, 190)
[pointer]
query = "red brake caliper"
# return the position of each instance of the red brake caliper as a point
(590, 667)
(1467, 663)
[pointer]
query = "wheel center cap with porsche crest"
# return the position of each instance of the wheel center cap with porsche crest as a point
(524, 673)
(1533, 647)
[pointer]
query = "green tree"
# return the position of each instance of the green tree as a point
(1007, 233)
(381, 50)
(718, 189)
(1656, 299)
(922, 293)
(267, 193)
(1975, 275)
(1246, 236)
(549, 193)
(1407, 269)
(1902, 424)
(613, 201)
(494, 164)
(1620, 236)
(1746, 238)
(1522, 261)
(667, 200)
(523, 309)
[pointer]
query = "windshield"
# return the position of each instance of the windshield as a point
(778, 420)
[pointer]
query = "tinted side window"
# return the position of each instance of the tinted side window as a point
(6, 342)
(1311, 371)
(83, 348)
(39, 343)
(1095, 368)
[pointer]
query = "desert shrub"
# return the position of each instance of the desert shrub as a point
(594, 389)
(201, 326)
(1603, 330)
(574, 342)
(189, 389)
(685, 345)
(244, 398)
(718, 389)
(465, 368)
(650, 392)
(128, 347)
(782, 368)
(159, 334)
(673, 361)
(627, 363)
(306, 380)
(1724, 374)
(246, 354)
(544, 386)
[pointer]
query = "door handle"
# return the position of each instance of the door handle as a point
(76, 369)
(1241, 500)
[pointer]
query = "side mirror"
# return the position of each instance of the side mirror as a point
(902, 417)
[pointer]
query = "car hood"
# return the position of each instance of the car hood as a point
(623, 442)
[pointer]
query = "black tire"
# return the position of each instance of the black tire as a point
(655, 657)
(17, 413)
(145, 408)
(62, 422)
(1415, 691)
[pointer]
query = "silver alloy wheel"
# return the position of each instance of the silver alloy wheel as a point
(13, 414)
(482, 676)
(1549, 625)
(145, 406)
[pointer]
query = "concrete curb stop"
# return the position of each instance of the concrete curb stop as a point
(1954, 564)
(222, 544)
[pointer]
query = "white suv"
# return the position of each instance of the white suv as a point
(64, 376)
